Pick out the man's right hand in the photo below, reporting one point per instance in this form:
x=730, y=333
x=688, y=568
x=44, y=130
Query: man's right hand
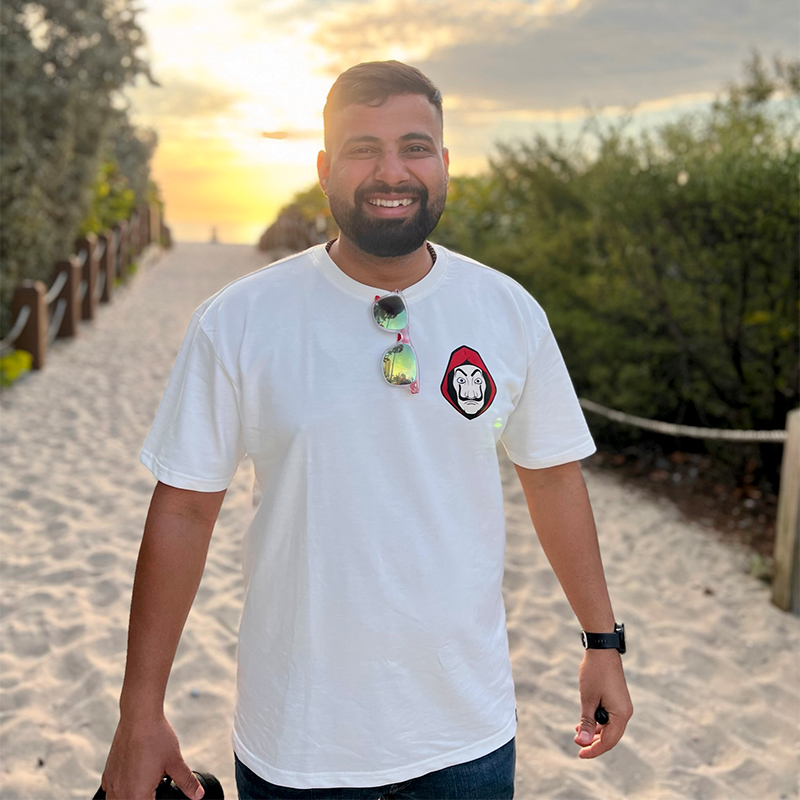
x=141, y=754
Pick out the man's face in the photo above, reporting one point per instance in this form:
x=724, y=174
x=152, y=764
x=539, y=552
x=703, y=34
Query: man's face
x=470, y=385
x=385, y=174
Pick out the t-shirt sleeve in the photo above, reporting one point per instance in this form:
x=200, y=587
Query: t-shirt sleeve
x=547, y=426
x=196, y=440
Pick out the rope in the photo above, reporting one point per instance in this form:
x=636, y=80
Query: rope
x=100, y=249
x=82, y=290
x=690, y=431
x=55, y=289
x=13, y=334
x=82, y=256
x=55, y=324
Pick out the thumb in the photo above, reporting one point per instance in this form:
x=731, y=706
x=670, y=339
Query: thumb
x=186, y=781
x=587, y=725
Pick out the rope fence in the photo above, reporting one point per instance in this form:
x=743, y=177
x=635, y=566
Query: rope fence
x=55, y=289
x=690, y=431
x=88, y=277
x=786, y=578
x=55, y=323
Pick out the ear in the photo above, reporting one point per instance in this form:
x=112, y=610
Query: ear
x=323, y=170
x=446, y=158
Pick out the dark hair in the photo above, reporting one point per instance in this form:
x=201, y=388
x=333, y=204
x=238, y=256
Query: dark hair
x=372, y=83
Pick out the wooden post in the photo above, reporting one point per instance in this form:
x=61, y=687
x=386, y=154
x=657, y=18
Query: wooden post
x=72, y=314
x=88, y=243
x=124, y=249
x=121, y=260
x=786, y=583
x=144, y=225
x=133, y=235
x=106, y=265
x=166, y=236
x=33, y=337
x=155, y=224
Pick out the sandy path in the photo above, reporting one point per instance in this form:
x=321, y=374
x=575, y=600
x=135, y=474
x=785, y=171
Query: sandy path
x=713, y=667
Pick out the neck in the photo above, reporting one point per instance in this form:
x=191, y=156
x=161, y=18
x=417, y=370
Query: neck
x=389, y=274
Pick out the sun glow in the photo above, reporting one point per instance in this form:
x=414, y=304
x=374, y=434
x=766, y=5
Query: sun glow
x=233, y=70
x=223, y=83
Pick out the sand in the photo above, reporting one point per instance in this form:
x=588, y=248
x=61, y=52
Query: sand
x=713, y=667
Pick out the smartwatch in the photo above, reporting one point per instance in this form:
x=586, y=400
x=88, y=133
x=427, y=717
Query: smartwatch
x=605, y=641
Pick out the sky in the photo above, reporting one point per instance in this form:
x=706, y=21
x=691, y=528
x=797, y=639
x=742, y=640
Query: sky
x=230, y=70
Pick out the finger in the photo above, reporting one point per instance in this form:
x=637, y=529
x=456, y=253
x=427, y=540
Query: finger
x=586, y=727
x=185, y=780
x=609, y=735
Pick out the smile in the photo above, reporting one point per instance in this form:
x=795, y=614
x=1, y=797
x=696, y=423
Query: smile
x=391, y=203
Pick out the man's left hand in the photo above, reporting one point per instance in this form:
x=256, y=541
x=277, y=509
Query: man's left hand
x=602, y=682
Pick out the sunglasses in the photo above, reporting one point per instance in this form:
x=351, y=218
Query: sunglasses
x=399, y=361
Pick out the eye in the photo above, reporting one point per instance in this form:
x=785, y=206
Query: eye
x=461, y=380
x=417, y=149
x=478, y=380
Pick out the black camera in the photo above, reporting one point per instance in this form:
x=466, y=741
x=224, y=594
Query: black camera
x=167, y=790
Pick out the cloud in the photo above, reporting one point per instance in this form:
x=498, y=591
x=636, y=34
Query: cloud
x=561, y=55
x=182, y=98
x=412, y=30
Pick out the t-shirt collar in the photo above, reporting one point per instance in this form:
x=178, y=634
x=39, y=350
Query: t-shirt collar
x=416, y=291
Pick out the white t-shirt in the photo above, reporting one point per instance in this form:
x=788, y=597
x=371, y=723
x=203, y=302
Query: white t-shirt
x=372, y=646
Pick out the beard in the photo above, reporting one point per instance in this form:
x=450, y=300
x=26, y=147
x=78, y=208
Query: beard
x=388, y=238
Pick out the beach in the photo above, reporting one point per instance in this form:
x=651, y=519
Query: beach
x=713, y=667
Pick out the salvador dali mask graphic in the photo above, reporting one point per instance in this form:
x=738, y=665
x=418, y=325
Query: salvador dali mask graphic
x=467, y=384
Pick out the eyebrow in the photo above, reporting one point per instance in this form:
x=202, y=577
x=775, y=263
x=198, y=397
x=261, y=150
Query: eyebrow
x=406, y=137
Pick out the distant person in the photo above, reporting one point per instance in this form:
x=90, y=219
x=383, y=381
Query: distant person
x=369, y=379
x=214, y=239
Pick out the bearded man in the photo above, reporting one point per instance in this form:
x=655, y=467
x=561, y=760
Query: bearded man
x=370, y=381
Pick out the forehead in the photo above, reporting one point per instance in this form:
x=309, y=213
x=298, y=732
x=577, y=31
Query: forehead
x=397, y=117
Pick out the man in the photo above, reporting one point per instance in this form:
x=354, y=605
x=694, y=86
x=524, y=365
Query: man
x=370, y=380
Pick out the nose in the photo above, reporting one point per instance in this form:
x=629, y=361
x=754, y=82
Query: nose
x=391, y=169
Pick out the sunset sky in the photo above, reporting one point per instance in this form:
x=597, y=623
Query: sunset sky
x=231, y=69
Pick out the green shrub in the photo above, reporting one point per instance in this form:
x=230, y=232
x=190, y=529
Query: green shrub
x=13, y=365
x=667, y=261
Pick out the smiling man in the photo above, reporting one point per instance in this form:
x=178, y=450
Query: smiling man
x=373, y=656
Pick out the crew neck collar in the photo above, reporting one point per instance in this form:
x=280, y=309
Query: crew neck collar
x=416, y=291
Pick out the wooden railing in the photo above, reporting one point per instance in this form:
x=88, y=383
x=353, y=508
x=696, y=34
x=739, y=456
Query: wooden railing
x=80, y=283
x=786, y=579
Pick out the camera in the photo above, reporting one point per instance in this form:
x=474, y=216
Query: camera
x=167, y=790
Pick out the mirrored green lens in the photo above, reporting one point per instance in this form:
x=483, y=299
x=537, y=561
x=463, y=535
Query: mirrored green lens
x=390, y=313
x=400, y=365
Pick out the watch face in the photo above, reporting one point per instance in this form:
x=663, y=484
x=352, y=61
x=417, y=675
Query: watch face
x=621, y=632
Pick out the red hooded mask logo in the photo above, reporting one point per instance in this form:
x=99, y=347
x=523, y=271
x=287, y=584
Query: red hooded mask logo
x=467, y=384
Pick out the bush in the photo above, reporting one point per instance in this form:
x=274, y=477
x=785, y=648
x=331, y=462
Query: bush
x=667, y=262
x=13, y=366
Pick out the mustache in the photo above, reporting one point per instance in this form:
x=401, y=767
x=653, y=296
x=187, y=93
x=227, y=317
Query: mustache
x=418, y=192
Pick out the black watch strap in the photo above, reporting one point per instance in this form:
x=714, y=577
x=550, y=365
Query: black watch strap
x=605, y=641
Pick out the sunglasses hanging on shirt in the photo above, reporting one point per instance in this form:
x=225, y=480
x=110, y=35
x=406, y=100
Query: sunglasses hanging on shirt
x=399, y=362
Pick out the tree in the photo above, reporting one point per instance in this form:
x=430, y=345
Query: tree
x=63, y=63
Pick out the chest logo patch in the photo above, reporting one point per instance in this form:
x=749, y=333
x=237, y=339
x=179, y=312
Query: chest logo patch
x=467, y=384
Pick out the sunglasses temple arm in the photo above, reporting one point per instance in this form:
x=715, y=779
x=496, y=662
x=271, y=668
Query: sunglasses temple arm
x=406, y=339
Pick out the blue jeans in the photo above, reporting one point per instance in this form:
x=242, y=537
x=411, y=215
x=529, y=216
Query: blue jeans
x=488, y=778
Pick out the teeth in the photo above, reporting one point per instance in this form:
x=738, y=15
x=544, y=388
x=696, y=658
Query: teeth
x=392, y=203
